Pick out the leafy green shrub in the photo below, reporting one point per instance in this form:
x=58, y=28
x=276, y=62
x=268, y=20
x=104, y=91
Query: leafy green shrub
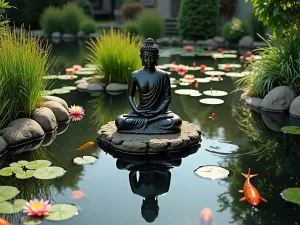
x=89, y=26
x=257, y=27
x=198, y=19
x=116, y=54
x=131, y=9
x=51, y=20
x=280, y=65
x=131, y=27
x=87, y=7
x=234, y=30
x=23, y=63
x=151, y=24
x=72, y=15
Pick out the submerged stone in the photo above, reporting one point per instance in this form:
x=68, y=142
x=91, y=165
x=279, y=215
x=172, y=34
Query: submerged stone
x=295, y=108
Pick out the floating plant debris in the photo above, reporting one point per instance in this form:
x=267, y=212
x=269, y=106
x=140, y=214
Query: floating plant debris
x=59, y=91
x=234, y=74
x=47, y=173
x=215, y=93
x=291, y=130
x=85, y=160
x=291, y=195
x=211, y=101
x=37, y=164
x=212, y=172
x=8, y=208
x=60, y=212
x=8, y=192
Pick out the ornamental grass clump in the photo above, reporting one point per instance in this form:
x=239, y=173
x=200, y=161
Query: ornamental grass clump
x=23, y=63
x=280, y=65
x=116, y=54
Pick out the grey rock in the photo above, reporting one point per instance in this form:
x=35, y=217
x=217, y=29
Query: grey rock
x=201, y=42
x=175, y=41
x=163, y=41
x=3, y=145
x=244, y=96
x=26, y=147
x=212, y=43
x=49, y=138
x=94, y=35
x=188, y=42
x=114, y=87
x=95, y=87
x=21, y=130
x=81, y=35
x=294, y=121
x=275, y=121
x=68, y=37
x=45, y=117
x=295, y=108
x=278, y=99
x=246, y=42
x=82, y=85
x=219, y=40
x=253, y=101
x=258, y=44
x=56, y=99
x=61, y=114
x=80, y=81
x=56, y=35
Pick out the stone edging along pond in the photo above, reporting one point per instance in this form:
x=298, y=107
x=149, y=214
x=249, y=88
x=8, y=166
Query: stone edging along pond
x=41, y=127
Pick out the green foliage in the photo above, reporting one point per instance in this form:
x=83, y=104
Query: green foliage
x=88, y=26
x=72, y=15
x=234, y=30
x=116, y=54
x=257, y=27
x=51, y=20
x=131, y=27
x=198, y=19
x=87, y=7
x=131, y=9
x=3, y=22
x=151, y=24
x=280, y=65
x=23, y=63
x=282, y=16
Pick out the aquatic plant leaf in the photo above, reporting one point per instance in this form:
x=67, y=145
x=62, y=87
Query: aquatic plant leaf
x=25, y=174
x=60, y=212
x=291, y=195
x=291, y=129
x=8, y=208
x=220, y=147
x=212, y=172
x=60, y=91
x=8, y=192
x=47, y=173
x=85, y=160
x=211, y=101
x=215, y=93
x=20, y=163
x=47, y=92
x=38, y=164
x=87, y=72
x=30, y=220
x=71, y=88
x=67, y=77
x=8, y=171
x=50, y=77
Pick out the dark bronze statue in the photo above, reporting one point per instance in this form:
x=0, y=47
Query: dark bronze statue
x=151, y=115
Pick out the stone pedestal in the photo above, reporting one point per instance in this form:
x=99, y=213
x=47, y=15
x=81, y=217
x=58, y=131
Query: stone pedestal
x=151, y=144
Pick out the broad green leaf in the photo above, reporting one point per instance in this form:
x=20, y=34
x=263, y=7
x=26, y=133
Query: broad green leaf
x=30, y=220
x=291, y=129
x=212, y=172
x=275, y=11
x=291, y=195
x=19, y=163
x=48, y=173
x=8, y=171
x=85, y=160
x=8, y=208
x=25, y=174
x=38, y=164
x=8, y=192
x=61, y=212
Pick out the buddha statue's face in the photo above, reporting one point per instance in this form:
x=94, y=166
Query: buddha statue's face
x=149, y=60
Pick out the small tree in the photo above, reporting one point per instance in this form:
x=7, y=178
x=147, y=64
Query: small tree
x=198, y=19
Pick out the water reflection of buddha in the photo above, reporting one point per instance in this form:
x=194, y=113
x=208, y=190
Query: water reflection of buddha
x=154, y=181
x=151, y=115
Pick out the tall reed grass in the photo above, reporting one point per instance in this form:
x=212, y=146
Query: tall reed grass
x=116, y=54
x=3, y=21
x=24, y=60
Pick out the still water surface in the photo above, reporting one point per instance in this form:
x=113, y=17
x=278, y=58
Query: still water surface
x=183, y=195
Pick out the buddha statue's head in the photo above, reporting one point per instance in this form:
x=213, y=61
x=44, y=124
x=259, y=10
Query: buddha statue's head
x=150, y=209
x=149, y=54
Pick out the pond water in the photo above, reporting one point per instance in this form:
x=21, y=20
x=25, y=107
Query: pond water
x=238, y=139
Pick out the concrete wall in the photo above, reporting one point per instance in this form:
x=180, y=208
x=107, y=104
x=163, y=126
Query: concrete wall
x=243, y=11
x=164, y=8
x=107, y=5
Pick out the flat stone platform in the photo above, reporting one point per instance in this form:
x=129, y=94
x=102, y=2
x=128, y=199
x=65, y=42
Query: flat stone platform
x=142, y=143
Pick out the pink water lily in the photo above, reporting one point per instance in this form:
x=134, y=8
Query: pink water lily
x=181, y=69
x=188, y=48
x=76, y=112
x=37, y=208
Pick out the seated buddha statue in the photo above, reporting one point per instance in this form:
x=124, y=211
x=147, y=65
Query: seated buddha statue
x=151, y=115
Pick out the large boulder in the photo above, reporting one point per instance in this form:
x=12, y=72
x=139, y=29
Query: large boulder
x=56, y=99
x=21, y=131
x=246, y=42
x=278, y=99
x=3, y=145
x=253, y=101
x=114, y=87
x=61, y=114
x=45, y=117
x=295, y=108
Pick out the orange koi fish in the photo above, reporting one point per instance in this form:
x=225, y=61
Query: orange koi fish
x=86, y=145
x=206, y=217
x=4, y=222
x=196, y=84
x=251, y=193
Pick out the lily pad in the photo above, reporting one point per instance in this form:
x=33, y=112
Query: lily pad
x=172, y=79
x=67, y=77
x=37, y=164
x=230, y=56
x=85, y=160
x=208, y=68
x=88, y=69
x=291, y=195
x=50, y=77
x=217, y=56
x=20, y=163
x=163, y=67
x=184, y=84
x=234, y=74
x=8, y=192
x=203, y=80
x=8, y=208
x=221, y=147
x=246, y=73
x=173, y=85
x=211, y=101
x=90, y=66
x=60, y=91
x=48, y=173
x=291, y=130
x=8, y=171
x=186, y=91
x=215, y=79
x=195, y=94
x=30, y=220
x=60, y=212
x=87, y=73
x=214, y=73
x=215, y=93
x=212, y=172
x=71, y=88
x=233, y=65
x=25, y=174
x=47, y=92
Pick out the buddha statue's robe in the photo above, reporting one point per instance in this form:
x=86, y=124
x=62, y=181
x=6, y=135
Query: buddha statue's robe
x=154, y=91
